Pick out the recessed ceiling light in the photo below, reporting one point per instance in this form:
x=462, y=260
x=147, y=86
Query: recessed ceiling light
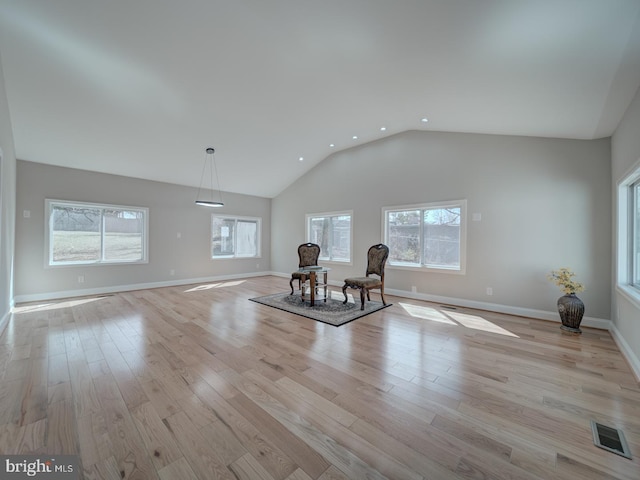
x=355, y=137
x=332, y=145
x=424, y=119
x=300, y=159
x=382, y=129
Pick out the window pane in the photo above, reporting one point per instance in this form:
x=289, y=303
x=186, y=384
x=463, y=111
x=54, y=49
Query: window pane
x=93, y=233
x=403, y=236
x=341, y=237
x=247, y=237
x=123, y=235
x=75, y=234
x=333, y=234
x=319, y=233
x=233, y=237
x=429, y=236
x=223, y=236
x=442, y=237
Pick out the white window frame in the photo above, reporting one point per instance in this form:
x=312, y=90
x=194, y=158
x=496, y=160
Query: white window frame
x=236, y=218
x=628, y=260
x=50, y=204
x=1, y=196
x=310, y=216
x=462, y=204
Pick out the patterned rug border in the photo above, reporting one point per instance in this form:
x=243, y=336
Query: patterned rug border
x=318, y=312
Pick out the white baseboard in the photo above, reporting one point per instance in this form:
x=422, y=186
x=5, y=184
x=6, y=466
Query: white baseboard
x=627, y=352
x=37, y=297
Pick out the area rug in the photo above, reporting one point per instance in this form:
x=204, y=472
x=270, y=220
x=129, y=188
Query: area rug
x=333, y=311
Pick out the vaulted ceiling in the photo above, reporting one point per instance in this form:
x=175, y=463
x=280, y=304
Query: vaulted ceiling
x=141, y=87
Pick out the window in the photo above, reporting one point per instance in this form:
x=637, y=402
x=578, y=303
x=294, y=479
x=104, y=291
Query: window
x=88, y=233
x=635, y=235
x=332, y=231
x=235, y=237
x=430, y=236
x=628, y=226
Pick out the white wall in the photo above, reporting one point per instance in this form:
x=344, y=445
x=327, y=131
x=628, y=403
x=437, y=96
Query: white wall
x=171, y=210
x=545, y=203
x=7, y=205
x=625, y=153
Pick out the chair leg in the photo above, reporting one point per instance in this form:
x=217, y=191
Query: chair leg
x=362, y=299
x=382, y=296
x=344, y=292
x=291, y=285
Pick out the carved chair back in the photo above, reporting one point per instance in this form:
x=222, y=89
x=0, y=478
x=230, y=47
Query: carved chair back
x=376, y=259
x=308, y=254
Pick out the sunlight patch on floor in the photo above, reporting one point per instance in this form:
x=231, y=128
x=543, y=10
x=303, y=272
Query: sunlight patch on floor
x=478, y=323
x=42, y=307
x=215, y=285
x=474, y=322
x=427, y=313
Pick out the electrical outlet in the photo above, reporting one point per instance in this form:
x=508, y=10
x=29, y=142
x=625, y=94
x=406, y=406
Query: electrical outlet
x=414, y=289
x=172, y=272
x=80, y=278
x=489, y=291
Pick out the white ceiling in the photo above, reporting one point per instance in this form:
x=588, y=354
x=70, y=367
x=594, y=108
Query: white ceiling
x=142, y=87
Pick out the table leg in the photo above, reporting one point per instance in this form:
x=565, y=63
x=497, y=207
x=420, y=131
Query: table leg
x=312, y=286
x=325, y=287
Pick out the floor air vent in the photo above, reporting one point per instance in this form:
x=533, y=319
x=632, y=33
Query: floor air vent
x=610, y=439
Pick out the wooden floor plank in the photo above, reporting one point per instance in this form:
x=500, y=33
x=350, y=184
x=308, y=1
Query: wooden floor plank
x=178, y=469
x=159, y=443
x=299, y=452
x=246, y=468
x=204, y=462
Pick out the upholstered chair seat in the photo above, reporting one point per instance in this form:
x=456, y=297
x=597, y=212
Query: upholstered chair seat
x=363, y=282
x=376, y=259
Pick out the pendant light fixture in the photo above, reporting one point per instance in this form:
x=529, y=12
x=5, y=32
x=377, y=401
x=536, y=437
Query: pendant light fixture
x=211, y=162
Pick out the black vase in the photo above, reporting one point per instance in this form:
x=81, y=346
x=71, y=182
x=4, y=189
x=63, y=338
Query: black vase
x=571, y=310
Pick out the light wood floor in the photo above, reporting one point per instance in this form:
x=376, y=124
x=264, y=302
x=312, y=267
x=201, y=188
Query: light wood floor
x=198, y=382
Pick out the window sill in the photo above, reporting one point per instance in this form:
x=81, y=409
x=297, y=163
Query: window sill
x=335, y=262
x=419, y=268
x=95, y=264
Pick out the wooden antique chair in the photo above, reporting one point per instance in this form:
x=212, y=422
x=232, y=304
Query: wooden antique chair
x=376, y=259
x=308, y=254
